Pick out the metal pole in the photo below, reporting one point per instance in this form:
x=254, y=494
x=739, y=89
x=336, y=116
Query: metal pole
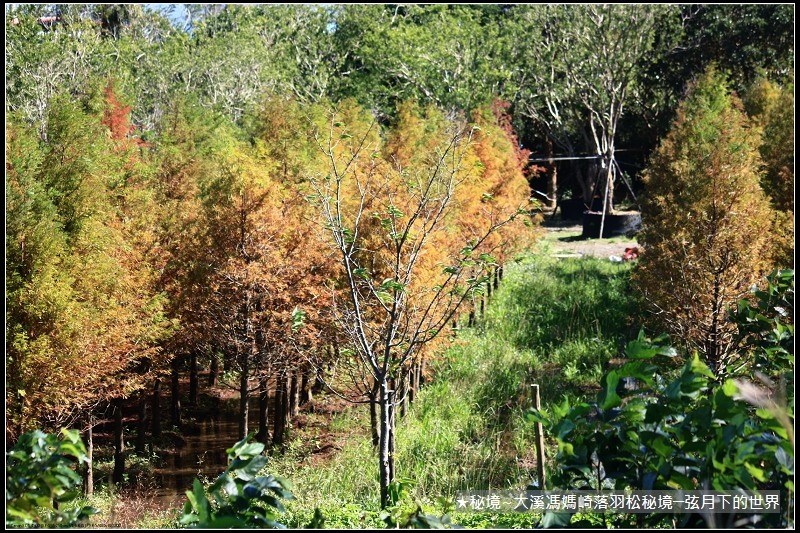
x=539, y=434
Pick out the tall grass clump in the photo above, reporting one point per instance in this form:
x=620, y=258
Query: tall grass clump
x=567, y=316
x=343, y=485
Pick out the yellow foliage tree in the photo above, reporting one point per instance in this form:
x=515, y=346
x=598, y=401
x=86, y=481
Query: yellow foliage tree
x=82, y=307
x=772, y=108
x=705, y=222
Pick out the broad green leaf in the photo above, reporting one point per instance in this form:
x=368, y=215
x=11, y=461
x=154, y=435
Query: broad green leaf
x=608, y=396
x=555, y=519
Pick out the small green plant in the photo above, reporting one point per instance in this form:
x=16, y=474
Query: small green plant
x=401, y=514
x=40, y=477
x=239, y=498
x=765, y=327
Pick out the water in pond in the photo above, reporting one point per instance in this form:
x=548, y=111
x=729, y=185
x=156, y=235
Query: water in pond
x=201, y=456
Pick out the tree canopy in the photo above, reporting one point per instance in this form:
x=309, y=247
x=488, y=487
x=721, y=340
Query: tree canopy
x=704, y=216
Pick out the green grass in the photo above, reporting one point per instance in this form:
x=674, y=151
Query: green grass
x=565, y=319
x=345, y=489
x=553, y=322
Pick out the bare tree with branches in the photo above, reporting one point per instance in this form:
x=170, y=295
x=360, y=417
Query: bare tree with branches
x=408, y=265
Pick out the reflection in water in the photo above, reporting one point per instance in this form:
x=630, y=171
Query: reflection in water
x=202, y=456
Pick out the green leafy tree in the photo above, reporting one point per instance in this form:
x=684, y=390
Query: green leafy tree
x=703, y=218
x=44, y=60
x=452, y=56
x=648, y=430
x=280, y=49
x=748, y=40
x=307, y=56
x=579, y=71
x=41, y=481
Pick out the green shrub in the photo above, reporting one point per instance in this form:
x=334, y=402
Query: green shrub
x=765, y=328
x=239, y=498
x=40, y=477
x=691, y=433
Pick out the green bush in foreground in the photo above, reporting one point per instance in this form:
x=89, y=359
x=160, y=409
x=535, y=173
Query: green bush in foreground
x=691, y=433
x=40, y=477
x=239, y=498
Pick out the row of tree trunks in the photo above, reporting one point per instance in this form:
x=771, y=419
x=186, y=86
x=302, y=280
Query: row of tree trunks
x=285, y=408
x=289, y=391
x=478, y=310
x=292, y=388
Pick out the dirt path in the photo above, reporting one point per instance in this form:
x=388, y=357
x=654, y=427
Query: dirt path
x=565, y=241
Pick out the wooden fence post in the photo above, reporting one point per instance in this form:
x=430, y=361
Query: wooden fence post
x=539, y=434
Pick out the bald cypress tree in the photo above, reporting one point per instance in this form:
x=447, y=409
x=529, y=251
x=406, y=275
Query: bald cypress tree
x=772, y=107
x=706, y=222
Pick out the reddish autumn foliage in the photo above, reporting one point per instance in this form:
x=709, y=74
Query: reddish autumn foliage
x=500, y=112
x=116, y=115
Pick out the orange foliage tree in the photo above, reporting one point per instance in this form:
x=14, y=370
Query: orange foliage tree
x=258, y=264
x=504, y=182
x=412, y=223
